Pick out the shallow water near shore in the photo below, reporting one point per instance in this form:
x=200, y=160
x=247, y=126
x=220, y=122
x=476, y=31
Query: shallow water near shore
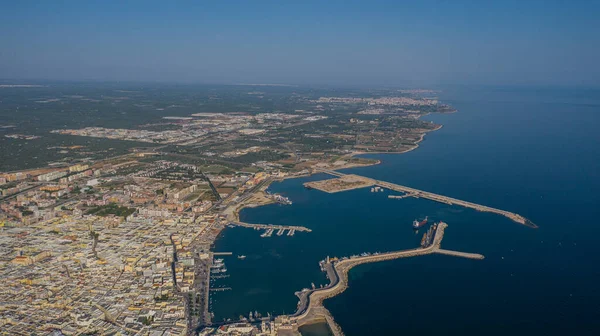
x=535, y=153
x=316, y=329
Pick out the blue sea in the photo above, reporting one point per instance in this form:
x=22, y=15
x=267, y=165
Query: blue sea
x=535, y=152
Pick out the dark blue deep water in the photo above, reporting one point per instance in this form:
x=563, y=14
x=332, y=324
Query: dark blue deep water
x=534, y=152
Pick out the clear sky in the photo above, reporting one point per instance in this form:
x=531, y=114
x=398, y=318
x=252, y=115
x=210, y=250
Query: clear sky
x=304, y=42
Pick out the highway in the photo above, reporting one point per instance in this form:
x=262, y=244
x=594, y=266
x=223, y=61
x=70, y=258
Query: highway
x=411, y=192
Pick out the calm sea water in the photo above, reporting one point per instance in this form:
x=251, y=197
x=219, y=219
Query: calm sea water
x=534, y=152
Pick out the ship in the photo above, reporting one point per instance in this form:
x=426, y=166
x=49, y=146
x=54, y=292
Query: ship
x=242, y=257
x=281, y=199
x=417, y=224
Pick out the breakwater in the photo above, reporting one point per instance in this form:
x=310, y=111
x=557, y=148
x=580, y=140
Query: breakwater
x=412, y=192
x=310, y=305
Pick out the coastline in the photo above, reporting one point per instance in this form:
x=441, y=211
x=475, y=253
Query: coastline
x=247, y=204
x=310, y=306
x=325, y=316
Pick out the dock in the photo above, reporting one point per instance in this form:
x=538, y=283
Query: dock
x=411, y=192
x=222, y=289
x=271, y=226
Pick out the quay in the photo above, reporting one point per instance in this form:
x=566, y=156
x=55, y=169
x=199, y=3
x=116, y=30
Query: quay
x=271, y=226
x=310, y=305
x=411, y=192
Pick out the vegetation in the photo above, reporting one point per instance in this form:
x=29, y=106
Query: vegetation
x=111, y=209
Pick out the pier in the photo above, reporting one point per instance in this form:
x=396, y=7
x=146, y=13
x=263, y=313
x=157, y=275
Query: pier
x=411, y=192
x=460, y=254
x=310, y=305
x=221, y=289
x=222, y=253
x=271, y=226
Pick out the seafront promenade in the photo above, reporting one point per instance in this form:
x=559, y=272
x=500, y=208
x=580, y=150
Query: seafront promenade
x=310, y=306
x=411, y=192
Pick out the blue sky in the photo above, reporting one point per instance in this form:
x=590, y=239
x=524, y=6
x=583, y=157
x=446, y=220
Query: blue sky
x=373, y=42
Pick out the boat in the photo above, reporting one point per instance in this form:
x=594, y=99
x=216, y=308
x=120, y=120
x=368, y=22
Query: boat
x=281, y=199
x=417, y=224
x=242, y=257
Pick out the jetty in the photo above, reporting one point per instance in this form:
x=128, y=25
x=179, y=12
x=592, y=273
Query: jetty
x=220, y=289
x=412, y=192
x=271, y=226
x=310, y=305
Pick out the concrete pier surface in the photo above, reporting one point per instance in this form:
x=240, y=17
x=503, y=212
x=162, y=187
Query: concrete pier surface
x=411, y=192
x=310, y=306
x=271, y=226
x=222, y=253
x=460, y=254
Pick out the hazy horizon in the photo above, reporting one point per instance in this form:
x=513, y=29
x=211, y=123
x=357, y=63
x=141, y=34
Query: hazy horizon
x=381, y=43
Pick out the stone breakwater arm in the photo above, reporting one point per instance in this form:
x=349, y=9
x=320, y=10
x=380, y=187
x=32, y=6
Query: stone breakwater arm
x=311, y=307
x=460, y=254
x=411, y=192
x=449, y=200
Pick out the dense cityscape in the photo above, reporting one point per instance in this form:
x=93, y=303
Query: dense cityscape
x=122, y=243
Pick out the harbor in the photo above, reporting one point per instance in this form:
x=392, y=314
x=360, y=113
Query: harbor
x=403, y=292
x=310, y=305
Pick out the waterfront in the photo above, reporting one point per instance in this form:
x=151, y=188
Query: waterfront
x=529, y=153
